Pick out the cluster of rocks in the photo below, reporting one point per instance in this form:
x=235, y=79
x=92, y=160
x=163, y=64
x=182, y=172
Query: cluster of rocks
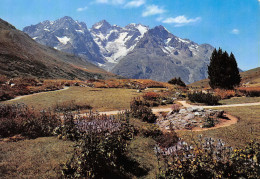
x=187, y=118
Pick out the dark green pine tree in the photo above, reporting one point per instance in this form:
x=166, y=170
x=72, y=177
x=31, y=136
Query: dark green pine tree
x=235, y=77
x=223, y=71
x=214, y=68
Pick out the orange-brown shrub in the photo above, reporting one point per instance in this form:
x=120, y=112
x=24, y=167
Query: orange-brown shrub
x=250, y=91
x=225, y=94
x=151, y=96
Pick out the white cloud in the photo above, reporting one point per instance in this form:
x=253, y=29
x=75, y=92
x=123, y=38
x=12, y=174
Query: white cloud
x=236, y=31
x=82, y=8
x=112, y=2
x=180, y=20
x=135, y=3
x=153, y=10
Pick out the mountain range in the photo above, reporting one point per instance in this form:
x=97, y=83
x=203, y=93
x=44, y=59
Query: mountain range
x=133, y=51
x=20, y=56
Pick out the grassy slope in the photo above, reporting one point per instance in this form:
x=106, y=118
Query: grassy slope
x=240, y=100
x=252, y=76
x=102, y=99
x=39, y=158
x=22, y=56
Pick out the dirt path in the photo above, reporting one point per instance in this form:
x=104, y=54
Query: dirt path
x=185, y=104
x=34, y=94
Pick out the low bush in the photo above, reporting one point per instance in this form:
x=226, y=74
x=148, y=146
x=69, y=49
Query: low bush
x=19, y=119
x=71, y=106
x=140, y=110
x=225, y=94
x=177, y=81
x=212, y=159
x=151, y=96
x=208, y=122
x=168, y=139
x=207, y=98
x=249, y=91
x=102, y=153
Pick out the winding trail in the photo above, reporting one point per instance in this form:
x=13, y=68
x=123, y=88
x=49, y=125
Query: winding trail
x=34, y=94
x=185, y=104
x=223, y=122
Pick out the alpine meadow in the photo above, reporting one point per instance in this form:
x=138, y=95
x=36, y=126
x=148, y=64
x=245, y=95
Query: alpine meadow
x=111, y=89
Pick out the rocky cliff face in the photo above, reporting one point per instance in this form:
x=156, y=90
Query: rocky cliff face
x=160, y=55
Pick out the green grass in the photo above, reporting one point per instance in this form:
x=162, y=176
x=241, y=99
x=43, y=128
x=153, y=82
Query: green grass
x=141, y=149
x=38, y=158
x=238, y=100
x=102, y=99
x=236, y=135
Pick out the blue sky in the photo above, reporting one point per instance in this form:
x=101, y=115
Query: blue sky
x=233, y=25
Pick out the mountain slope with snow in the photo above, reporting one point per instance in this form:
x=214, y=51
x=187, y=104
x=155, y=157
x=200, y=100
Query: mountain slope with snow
x=66, y=35
x=160, y=56
x=133, y=51
x=116, y=42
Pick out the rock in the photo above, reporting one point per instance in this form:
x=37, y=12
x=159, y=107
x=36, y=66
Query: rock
x=174, y=99
x=197, y=114
x=200, y=109
x=194, y=108
x=182, y=111
x=189, y=109
x=189, y=116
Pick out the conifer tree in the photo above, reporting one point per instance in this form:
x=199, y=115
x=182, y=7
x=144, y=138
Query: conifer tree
x=223, y=71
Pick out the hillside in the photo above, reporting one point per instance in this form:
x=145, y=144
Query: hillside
x=249, y=78
x=22, y=56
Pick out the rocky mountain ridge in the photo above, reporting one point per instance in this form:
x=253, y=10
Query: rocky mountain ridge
x=133, y=51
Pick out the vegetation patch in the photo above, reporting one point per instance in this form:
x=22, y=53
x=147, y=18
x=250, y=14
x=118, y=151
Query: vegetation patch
x=19, y=119
x=206, y=98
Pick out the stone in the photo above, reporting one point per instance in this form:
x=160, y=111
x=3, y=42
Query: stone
x=200, y=109
x=189, y=116
x=182, y=111
x=197, y=114
x=194, y=108
x=189, y=109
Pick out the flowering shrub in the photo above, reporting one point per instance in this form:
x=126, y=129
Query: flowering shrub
x=211, y=159
x=102, y=153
